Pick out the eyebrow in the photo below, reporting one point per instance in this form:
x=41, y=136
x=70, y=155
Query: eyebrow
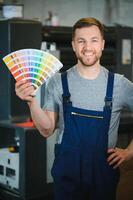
x=80, y=38
x=95, y=37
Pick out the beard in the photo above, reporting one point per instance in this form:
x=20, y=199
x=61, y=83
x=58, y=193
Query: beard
x=88, y=62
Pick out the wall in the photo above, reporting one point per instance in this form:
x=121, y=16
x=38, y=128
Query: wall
x=108, y=11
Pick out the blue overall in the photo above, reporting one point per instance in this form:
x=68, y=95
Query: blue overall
x=80, y=170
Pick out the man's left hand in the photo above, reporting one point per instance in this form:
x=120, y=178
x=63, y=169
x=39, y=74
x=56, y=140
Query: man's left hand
x=118, y=156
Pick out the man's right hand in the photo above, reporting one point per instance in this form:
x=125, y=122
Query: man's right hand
x=24, y=90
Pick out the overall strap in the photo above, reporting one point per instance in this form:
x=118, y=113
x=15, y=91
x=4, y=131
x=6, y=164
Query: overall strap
x=66, y=94
x=109, y=91
x=108, y=103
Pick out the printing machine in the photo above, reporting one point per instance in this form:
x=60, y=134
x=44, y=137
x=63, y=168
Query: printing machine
x=24, y=171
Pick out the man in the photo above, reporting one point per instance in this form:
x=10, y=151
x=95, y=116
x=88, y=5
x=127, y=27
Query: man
x=86, y=103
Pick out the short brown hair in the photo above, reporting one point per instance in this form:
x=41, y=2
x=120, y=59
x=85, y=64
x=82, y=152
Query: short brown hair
x=87, y=22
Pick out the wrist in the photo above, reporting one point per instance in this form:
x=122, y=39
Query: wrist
x=130, y=152
x=31, y=102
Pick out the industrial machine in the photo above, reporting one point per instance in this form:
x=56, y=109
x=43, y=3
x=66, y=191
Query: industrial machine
x=23, y=165
x=15, y=34
x=117, y=55
x=23, y=151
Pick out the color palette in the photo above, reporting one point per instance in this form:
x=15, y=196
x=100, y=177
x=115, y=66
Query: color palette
x=33, y=65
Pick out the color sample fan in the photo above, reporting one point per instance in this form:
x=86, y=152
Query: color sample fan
x=33, y=65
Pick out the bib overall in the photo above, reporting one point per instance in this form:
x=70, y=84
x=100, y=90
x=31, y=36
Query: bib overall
x=80, y=170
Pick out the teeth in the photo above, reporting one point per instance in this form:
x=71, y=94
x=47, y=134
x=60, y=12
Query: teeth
x=88, y=54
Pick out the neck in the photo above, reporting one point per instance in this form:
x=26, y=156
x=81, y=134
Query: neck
x=90, y=72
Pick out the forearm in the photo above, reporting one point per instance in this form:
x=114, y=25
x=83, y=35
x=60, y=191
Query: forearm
x=44, y=121
x=40, y=119
x=130, y=149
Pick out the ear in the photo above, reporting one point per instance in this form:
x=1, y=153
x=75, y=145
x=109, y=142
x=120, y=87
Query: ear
x=73, y=46
x=103, y=45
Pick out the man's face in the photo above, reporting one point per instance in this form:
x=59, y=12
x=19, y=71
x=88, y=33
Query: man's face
x=88, y=45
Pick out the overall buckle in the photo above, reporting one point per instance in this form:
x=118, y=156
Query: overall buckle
x=108, y=102
x=66, y=99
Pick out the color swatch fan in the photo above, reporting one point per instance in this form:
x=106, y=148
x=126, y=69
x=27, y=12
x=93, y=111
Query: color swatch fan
x=33, y=65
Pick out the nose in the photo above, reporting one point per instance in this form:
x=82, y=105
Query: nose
x=88, y=46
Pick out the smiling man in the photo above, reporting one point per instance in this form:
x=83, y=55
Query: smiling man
x=84, y=104
x=88, y=45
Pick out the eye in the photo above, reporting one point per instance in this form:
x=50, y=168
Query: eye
x=94, y=40
x=80, y=41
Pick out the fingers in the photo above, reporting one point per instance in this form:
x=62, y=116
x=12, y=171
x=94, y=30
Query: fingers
x=116, y=161
x=24, y=90
x=21, y=85
x=112, y=153
x=111, y=150
x=116, y=157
